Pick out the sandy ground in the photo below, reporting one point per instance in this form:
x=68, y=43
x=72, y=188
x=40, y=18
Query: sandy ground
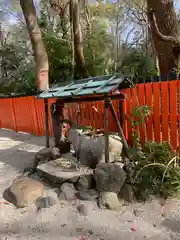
x=136, y=221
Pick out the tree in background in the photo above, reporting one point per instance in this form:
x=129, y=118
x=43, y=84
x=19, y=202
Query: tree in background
x=40, y=55
x=115, y=38
x=73, y=8
x=165, y=34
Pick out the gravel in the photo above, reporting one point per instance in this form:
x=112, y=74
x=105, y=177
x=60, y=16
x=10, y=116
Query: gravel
x=62, y=220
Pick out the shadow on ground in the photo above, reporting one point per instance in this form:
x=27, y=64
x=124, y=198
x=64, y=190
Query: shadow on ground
x=18, y=150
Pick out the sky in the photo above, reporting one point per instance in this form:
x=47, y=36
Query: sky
x=12, y=19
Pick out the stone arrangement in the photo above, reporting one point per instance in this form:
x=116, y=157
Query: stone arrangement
x=76, y=178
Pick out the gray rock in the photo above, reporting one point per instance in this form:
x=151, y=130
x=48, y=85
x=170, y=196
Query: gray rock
x=82, y=209
x=45, y=202
x=48, y=154
x=55, y=153
x=108, y=200
x=115, y=149
x=84, y=182
x=91, y=151
x=126, y=193
x=87, y=194
x=64, y=147
x=68, y=192
x=109, y=177
x=62, y=196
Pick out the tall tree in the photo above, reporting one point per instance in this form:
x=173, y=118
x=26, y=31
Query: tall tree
x=165, y=34
x=40, y=55
x=77, y=38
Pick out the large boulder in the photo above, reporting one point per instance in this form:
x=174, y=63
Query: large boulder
x=91, y=150
x=115, y=149
x=109, y=177
x=24, y=191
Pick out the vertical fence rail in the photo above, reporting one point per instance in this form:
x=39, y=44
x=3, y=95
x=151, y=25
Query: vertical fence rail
x=173, y=113
x=149, y=102
x=27, y=113
x=156, y=112
x=165, y=110
x=141, y=97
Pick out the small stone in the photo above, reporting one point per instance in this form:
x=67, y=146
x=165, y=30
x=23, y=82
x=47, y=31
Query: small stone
x=87, y=194
x=47, y=154
x=68, y=192
x=61, y=196
x=127, y=193
x=82, y=209
x=45, y=202
x=109, y=200
x=63, y=225
x=84, y=182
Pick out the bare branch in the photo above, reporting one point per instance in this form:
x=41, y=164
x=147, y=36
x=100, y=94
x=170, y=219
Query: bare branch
x=161, y=36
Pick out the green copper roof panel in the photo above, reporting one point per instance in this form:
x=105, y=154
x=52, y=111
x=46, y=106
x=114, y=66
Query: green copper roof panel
x=85, y=87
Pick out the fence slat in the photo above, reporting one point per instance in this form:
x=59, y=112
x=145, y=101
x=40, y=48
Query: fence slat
x=141, y=98
x=156, y=110
x=149, y=121
x=173, y=113
x=27, y=113
x=39, y=106
x=24, y=114
x=125, y=118
x=129, y=115
x=6, y=114
x=134, y=102
x=165, y=110
x=178, y=111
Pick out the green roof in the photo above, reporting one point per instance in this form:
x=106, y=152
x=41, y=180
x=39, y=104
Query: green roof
x=86, y=87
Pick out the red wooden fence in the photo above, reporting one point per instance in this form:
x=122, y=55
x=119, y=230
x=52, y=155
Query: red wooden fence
x=27, y=113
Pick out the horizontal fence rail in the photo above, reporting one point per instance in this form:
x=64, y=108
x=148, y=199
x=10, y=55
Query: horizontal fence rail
x=26, y=114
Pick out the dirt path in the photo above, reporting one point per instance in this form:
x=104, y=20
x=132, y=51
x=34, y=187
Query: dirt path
x=137, y=221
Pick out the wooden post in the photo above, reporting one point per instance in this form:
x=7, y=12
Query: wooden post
x=121, y=113
x=46, y=122
x=57, y=115
x=106, y=132
x=126, y=148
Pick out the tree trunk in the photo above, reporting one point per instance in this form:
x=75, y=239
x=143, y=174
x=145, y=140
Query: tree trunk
x=165, y=34
x=40, y=55
x=80, y=68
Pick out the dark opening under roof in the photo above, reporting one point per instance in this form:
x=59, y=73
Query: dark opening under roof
x=87, y=87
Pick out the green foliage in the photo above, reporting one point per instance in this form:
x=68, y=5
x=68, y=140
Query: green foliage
x=17, y=73
x=138, y=62
x=140, y=114
x=153, y=171
x=60, y=59
x=97, y=49
x=17, y=64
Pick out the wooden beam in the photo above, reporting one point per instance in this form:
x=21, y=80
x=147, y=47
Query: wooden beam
x=90, y=99
x=46, y=122
x=126, y=147
x=106, y=130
